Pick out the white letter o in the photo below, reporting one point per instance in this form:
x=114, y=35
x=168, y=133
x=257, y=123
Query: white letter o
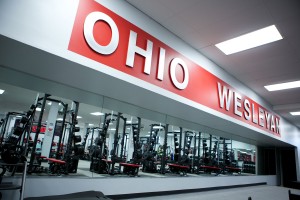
x=174, y=63
x=89, y=23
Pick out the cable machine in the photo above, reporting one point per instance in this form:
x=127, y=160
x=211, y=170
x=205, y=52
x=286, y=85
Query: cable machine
x=13, y=150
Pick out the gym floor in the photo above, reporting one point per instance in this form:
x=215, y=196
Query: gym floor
x=255, y=192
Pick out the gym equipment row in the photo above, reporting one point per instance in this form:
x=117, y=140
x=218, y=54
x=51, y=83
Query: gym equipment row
x=163, y=151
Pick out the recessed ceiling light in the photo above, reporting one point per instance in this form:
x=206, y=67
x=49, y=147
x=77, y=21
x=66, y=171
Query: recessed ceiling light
x=283, y=86
x=49, y=103
x=91, y=124
x=158, y=127
x=38, y=109
x=79, y=117
x=1, y=91
x=97, y=113
x=59, y=119
x=295, y=113
x=250, y=40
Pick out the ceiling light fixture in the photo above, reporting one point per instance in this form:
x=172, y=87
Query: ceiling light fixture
x=283, y=86
x=97, y=113
x=158, y=127
x=79, y=117
x=2, y=91
x=250, y=40
x=38, y=109
x=91, y=124
x=59, y=119
x=295, y=113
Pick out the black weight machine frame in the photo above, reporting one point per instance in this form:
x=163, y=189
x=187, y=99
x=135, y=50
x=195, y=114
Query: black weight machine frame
x=102, y=165
x=4, y=122
x=131, y=167
x=149, y=161
x=114, y=157
x=67, y=156
x=182, y=164
x=12, y=150
x=206, y=164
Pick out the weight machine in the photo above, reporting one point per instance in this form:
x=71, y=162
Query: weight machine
x=14, y=149
x=150, y=160
x=59, y=162
x=182, y=162
x=99, y=162
x=132, y=167
x=209, y=162
x=114, y=153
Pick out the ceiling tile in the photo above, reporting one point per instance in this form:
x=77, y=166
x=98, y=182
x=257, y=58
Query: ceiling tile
x=283, y=9
x=154, y=8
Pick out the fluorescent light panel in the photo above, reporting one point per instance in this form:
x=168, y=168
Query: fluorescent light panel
x=250, y=40
x=295, y=113
x=2, y=91
x=283, y=86
x=157, y=127
x=97, y=113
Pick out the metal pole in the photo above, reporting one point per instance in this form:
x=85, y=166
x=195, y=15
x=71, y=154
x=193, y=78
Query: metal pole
x=194, y=152
x=180, y=146
x=68, y=153
x=123, y=139
x=163, y=159
x=4, y=128
x=210, y=144
x=115, y=145
x=61, y=131
x=199, y=149
x=38, y=129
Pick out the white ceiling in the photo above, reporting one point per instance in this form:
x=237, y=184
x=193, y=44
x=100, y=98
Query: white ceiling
x=204, y=23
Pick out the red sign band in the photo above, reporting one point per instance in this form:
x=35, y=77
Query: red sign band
x=103, y=36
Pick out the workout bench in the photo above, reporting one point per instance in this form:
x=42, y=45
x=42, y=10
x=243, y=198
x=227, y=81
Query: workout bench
x=130, y=168
x=175, y=168
x=232, y=169
x=56, y=166
x=210, y=169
